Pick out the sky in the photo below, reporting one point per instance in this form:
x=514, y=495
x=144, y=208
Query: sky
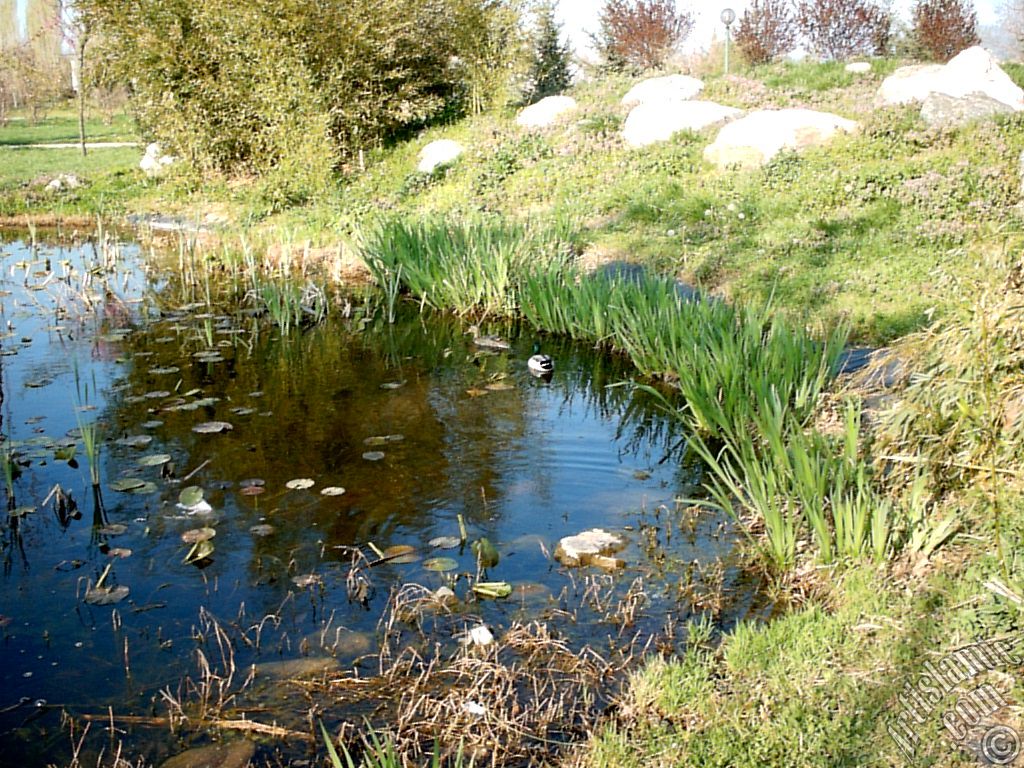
x=580, y=16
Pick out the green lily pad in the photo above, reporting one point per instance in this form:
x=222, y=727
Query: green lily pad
x=262, y=529
x=212, y=427
x=146, y=488
x=157, y=394
x=445, y=542
x=190, y=496
x=153, y=460
x=492, y=589
x=154, y=424
x=440, y=564
x=376, y=440
x=135, y=441
x=126, y=484
x=164, y=370
x=201, y=550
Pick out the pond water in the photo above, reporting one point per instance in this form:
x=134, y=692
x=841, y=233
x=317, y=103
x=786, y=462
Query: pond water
x=417, y=426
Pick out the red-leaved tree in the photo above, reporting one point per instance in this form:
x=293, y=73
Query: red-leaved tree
x=767, y=30
x=943, y=28
x=640, y=34
x=839, y=29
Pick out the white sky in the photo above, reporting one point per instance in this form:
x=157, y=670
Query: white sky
x=580, y=16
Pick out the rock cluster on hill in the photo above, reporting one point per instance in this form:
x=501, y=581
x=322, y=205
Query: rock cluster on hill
x=755, y=139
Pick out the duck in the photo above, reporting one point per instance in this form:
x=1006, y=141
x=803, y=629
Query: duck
x=540, y=364
x=487, y=342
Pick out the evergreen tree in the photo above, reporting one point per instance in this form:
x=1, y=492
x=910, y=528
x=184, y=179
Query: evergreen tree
x=549, y=73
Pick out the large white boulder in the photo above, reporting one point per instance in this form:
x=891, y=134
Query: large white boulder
x=154, y=162
x=439, y=153
x=659, y=89
x=545, y=112
x=651, y=122
x=755, y=139
x=974, y=70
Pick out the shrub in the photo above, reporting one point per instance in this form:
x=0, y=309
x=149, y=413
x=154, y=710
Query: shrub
x=839, y=29
x=943, y=28
x=549, y=72
x=767, y=30
x=290, y=90
x=640, y=34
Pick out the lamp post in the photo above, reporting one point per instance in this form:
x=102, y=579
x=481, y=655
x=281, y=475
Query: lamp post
x=728, y=17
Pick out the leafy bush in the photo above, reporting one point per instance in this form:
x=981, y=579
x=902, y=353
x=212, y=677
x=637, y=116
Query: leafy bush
x=839, y=29
x=291, y=90
x=640, y=34
x=767, y=30
x=943, y=28
x=549, y=73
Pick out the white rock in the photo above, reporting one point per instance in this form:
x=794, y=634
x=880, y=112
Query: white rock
x=974, y=70
x=858, y=67
x=658, y=89
x=545, y=112
x=755, y=139
x=64, y=181
x=579, y=549
x=651, y=122
x=439, y=153
x=154, y=162
x=480, y=635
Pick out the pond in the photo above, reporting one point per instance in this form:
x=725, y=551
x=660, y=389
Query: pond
x=314, y=454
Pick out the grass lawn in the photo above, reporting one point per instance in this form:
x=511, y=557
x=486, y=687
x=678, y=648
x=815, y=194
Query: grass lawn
x=63, y=127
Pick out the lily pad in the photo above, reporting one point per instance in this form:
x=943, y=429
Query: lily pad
x=201, y=550
x=307, y=580
x=252, y=481
x=263, y=529
x=198, y=534
x=113, y=529
x=440, y=564
x=126, y=484
x=121, y=552
x=392, y=385
x=157, y=394
x=154, y=424
x=400, y=554
x=144, y=489
x=212, y=427
x=164, y=370
x=106, y=596
x=486, y=553
x=251, y=490
x=445, y=542
x=373, y=455
x=135, y=441
x=153, y=460
x=332, y=490
x=299, y=484
x=241, y=410
x=376, y=440
x=190, y=496
x=492, y=589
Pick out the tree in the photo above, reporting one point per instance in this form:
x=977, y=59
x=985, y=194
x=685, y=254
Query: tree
x=8, y=24
x=839, y=29
x=640, y=34
x=943, y=28
x=549, y=72
x=766, y=31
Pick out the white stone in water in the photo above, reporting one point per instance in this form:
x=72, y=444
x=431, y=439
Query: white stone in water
x=581, y=548
x=661, y=89
x=480, y=635
x=437, y=154
x=545, y=112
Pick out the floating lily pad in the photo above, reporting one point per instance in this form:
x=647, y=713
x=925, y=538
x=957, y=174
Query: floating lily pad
x=66, y=453
x=154, y=424
x=373, y=455
x=164, y=370
x=201, y=550
x=121, y=552
x=395, y=438
x=299, y=484
x=212, y=427
x=153, y=460
x=157, y=394
x=445, y=542
x=440, y=564
x=307, y=580
x=376, y=440
x=263, y=529
x=251, y=490
x=106, y=596
x=113, y=529
x=144, y=489
x=135, y=441
x=492, y=589
x=243, y=411
x=190, y=496
x=400, y=554
x=257, y=481
x=332, y=490
x=198, y=534
x=126, y=484
x=392, y=384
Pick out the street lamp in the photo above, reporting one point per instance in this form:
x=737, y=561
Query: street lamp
x=728, y=17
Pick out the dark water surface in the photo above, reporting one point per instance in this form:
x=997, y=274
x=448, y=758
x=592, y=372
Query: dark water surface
x=89, y=336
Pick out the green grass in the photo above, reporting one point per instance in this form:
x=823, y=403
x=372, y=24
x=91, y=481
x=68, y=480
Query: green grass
x=61, y=128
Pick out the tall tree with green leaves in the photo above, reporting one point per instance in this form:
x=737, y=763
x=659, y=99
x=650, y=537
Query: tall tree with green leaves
x=9, y=36
x=549, y=71
x=43, y=27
